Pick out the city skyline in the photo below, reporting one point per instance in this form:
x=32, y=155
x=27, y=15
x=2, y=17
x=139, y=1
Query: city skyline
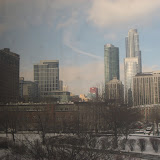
x=52, y=30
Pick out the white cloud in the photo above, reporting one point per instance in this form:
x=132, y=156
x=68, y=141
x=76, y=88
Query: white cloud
x=116, y=13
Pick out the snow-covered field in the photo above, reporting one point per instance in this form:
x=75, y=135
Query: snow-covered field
x=32, y=136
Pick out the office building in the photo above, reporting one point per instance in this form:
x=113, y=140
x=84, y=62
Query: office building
x=9, y=76
x=93, y=93
x=111, y=62
x=28, y=91
x=132, y=63
x=115, y=90
x=146, y=88
x=60, y=85
x=46, y=75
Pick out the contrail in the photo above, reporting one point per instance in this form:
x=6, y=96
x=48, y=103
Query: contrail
x=67, y=42
x=82, y=52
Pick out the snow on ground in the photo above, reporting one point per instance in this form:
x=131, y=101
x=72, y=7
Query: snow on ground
x=149, y=149
x=33, y=136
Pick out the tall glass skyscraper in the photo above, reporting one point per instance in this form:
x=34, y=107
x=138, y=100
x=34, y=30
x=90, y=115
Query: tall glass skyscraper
x=111, y=62
x=46, y=74
x=132, y=62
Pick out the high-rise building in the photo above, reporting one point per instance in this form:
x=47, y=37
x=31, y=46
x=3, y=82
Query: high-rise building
x=93, y=93
x=146, y=88
x=132, y=63
x=115, y=90
x=9, y=76
x=60, y=85
x=46, y=74
x=28, y=90
x=111, y=62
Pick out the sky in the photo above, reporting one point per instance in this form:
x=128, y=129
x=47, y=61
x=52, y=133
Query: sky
x=75, y=32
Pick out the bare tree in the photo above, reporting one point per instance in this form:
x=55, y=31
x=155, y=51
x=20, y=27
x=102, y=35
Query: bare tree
x=9, y=120
x=129, y=116
x=114, y=118
x=155, y=118
x=42, y=121
x=4, y=120
x=13, y=123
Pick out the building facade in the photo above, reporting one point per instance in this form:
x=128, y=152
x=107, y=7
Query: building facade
x=146, y=88
x=132, y=63
x=111, y=62
x=61, y=85
x=9, y=81
x=28, y=91
x=46, y=74
x=93, y=93
x=115, y=90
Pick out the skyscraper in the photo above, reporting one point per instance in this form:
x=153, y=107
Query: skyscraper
x=9, y=76
x=132, y=62
x=46, y=74
x=111, y=62
x=114, y=90
x=146, y=88
x=93, y=93
x=60, y=85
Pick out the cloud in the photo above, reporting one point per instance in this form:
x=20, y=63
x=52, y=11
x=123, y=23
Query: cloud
x=116, y=13
x=70, y=43
x=82, y=52
x=22, y=13
x=147, y=68
x=19, y=14
x=68, y=22
x=81, y=78
x=111, y=36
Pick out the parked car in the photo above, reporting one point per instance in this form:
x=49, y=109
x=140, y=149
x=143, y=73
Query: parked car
x=148, y=130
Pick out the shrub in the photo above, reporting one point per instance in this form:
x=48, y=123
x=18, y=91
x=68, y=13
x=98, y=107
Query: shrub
x=142, y=144
x=131, y=144
x=155, y=144
x=3, y=144
x=17, y=148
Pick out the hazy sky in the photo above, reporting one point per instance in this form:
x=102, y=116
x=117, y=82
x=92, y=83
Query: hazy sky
x=75, y=32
